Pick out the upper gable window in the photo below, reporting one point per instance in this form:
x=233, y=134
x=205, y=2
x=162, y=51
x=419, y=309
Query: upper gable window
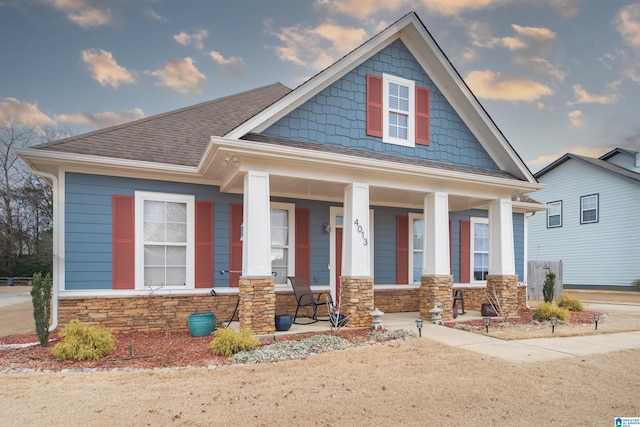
x=589, y=209
x=397, y=110
x=398, y=105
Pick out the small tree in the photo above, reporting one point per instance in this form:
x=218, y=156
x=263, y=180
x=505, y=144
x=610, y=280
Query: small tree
x=548, y=287
x=41, y=298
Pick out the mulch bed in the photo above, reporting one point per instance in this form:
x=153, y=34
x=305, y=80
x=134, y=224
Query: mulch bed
x=525, y=317
x=148, y=350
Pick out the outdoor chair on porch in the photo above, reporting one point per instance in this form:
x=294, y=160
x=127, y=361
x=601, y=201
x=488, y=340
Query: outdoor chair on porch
x=307, y=300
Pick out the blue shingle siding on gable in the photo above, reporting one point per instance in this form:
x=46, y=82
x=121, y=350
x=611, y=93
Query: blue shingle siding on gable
x=337, y=116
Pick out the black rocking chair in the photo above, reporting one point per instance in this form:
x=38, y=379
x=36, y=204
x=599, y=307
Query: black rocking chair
x=306, y=298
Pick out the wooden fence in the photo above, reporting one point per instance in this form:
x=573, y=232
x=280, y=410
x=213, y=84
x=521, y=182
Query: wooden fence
x=536, y=275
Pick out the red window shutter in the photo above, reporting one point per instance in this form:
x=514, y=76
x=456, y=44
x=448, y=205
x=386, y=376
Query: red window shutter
x=402, y=250
x=123, y=208
x=465, y=251
x=235, y=250
x=204, y=245
x=422, y=115
x=303, y=247
x=374, y=105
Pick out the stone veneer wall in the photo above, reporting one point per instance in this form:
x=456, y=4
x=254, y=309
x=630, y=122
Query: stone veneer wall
x=436, y=290
x=160, y=312
x=506, y=289
x=357, y=300
x=257, y=304
x=144, y=313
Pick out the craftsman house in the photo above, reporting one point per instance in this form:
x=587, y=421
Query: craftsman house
x=593, y=221
x=381, y=179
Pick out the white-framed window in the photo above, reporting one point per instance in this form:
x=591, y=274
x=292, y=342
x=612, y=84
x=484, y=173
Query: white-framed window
x=416, y=246
x=283, y=228
x=554, y=214
x=165, y=227
x=479, y=249
x=398, y=110
x=589, y=209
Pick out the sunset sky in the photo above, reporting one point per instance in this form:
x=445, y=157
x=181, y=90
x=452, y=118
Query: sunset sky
x=556, y=76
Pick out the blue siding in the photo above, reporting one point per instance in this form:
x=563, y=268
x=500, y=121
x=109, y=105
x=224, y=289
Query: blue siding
x=88, y=236
x=337, y=116
x=88, y=225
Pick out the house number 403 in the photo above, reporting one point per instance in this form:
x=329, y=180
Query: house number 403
x=360, y=231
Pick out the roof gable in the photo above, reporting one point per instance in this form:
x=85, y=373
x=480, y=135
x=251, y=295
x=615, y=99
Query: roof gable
x=337, y=116
x=178, y=137
x=596, y=163
x=414, y=35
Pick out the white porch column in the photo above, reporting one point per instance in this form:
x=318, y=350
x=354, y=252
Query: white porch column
x=501, y=253
x=435, y=255
x=355, y=233
x=256, y=242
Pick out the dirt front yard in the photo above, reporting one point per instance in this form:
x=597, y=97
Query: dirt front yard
x=416, y=382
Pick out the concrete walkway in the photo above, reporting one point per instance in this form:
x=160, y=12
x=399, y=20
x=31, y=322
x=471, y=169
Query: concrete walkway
x=529, y=350
x=10, y=295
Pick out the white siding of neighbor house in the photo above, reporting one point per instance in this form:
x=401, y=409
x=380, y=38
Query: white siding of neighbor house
x=605, y=253
x=624, y=160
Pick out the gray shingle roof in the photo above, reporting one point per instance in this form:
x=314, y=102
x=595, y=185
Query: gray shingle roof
x=602, y=164
x=378, y=156
x=177, y=137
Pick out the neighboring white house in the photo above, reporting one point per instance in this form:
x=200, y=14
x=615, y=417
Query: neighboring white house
x=593, y=220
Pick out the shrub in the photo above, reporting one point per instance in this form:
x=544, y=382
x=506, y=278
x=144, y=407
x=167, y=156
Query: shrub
x=41, y=300
x=227, y=342
x=569, y=302
x=546, y=310
x=547, y=287
x=83, y=342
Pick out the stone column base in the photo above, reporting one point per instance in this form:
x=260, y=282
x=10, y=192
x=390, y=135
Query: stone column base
x=356, y=300
x=436, y=290
x=257, y=304
x=505, y=290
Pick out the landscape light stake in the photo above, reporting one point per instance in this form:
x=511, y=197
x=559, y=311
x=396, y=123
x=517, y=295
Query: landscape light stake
x=486, y=323
x=419, y=325
x=554, y=322
x=596, y=317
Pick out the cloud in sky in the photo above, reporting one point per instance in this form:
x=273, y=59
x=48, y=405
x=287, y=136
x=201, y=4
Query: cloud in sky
x=13, y=110
x=489, y=85
x=180, y=75
x=196, y=39
x=101, y=120
x=566, y=8
x=155, y=15
x=454, y=7
x=481, y=35
x=575, y=117
x=628, y=24
x=542, y=65
x=316, y=47
x=85, y=13
x=104, y=68
x=580, y=150
x=363, y=9
x=231, y=62
x=584, y=97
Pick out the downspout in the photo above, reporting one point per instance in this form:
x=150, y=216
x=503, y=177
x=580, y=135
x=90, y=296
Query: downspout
x=56, y=246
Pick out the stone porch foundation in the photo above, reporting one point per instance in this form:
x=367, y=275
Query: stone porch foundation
x=436, y=290
x=257, y=304
x=506, y=291
x=356, y=300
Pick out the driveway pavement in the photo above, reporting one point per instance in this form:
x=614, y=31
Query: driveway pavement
x=10, y=295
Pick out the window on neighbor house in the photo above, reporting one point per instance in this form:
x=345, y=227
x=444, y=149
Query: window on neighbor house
x=589, y=209
x=165, y=239
x=416, y=225
x=479, y=248
x=554, y=214
x=398, y=110
x=282, y=241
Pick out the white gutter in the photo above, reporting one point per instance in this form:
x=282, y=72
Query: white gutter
x=56, y=255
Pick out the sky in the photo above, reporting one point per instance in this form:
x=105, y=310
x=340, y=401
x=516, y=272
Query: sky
x=556, y=76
